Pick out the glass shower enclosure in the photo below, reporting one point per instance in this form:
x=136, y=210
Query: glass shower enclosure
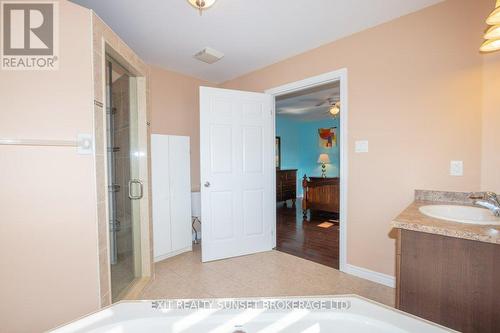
x=124, y=187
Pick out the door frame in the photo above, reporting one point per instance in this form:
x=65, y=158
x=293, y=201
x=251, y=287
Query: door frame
x=337, y=75
x=142, y=246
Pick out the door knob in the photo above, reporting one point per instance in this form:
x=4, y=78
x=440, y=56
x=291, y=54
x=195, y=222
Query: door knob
x=207, y=184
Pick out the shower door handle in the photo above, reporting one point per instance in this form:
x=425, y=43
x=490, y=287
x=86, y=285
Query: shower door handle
x=141, y=189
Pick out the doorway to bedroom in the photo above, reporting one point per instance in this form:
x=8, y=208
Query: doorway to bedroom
x=308, y=160
x=239, y=166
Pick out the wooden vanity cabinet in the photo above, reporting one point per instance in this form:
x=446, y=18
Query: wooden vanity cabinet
x=451, y=281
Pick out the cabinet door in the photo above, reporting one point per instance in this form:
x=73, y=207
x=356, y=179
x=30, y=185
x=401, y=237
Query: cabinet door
x=160, y=169
x=180, y=192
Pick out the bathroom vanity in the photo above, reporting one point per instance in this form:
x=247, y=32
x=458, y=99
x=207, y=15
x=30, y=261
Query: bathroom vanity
x=448, y=272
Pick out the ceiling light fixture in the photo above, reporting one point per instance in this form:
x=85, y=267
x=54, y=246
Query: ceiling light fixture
x=493, y=32
x=490, y=45
x=494, y=17
x=492, y=35
x=201, y=4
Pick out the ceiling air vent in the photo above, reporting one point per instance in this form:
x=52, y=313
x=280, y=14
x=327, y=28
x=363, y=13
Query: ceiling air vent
x=209, y=55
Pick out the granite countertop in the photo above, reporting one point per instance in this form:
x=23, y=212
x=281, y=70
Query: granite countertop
x=412, y=219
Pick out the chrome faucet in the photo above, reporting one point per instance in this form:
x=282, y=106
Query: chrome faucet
x=490, y=201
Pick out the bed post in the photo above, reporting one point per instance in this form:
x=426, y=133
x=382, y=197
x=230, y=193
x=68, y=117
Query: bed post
x=304, y=197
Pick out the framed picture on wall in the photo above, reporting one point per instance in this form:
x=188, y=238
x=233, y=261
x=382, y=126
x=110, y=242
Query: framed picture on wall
x=327, y=137
x=278, y=152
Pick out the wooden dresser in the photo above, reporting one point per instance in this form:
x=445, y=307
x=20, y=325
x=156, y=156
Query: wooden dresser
x=286, y=186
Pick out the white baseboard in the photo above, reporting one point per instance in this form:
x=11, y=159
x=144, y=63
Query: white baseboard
x=172, y=254
x=367, y=274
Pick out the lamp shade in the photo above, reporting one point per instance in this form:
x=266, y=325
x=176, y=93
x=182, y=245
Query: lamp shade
x=323, y=159
x=493, y=32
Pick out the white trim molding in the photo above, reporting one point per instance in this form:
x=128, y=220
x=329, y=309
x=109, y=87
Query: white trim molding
x=173, y=254
x=338, y=75
x=386, y=280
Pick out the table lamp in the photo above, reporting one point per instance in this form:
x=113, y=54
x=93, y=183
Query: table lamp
x=323, y=159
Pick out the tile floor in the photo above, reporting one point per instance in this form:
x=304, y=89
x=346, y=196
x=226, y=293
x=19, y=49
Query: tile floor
x=264, y=274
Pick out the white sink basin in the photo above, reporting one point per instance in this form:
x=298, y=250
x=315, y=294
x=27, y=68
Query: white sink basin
x=462, y=214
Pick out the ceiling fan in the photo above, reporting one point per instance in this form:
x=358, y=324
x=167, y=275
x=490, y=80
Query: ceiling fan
x=329, y=106
x=334, y=108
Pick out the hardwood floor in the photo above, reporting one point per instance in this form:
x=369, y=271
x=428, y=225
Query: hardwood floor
x=305, y=238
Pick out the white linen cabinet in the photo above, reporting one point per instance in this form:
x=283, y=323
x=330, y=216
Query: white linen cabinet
x=171, y=191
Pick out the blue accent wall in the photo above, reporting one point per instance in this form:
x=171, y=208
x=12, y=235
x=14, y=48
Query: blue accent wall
x=300, y=147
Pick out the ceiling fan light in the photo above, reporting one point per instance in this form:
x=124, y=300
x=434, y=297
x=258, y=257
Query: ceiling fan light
x=334, y=110
x=490, y=45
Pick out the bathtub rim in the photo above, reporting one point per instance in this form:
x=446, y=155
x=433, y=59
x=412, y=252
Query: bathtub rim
x=257, y=298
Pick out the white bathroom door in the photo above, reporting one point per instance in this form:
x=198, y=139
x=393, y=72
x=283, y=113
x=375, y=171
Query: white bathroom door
x=237, y=165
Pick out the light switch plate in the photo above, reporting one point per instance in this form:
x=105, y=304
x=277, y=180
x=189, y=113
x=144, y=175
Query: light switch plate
x=456, y=168
x=361, y=146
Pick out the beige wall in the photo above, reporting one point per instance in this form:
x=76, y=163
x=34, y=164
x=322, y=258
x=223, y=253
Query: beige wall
x=415, y=92
x=48, y=232
x=490, y=172
x=175, y=111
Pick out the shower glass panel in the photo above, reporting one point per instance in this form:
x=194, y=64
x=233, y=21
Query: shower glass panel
x=124, y=188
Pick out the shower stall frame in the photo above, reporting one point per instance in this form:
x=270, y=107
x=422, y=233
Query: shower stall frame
x=107, y=44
